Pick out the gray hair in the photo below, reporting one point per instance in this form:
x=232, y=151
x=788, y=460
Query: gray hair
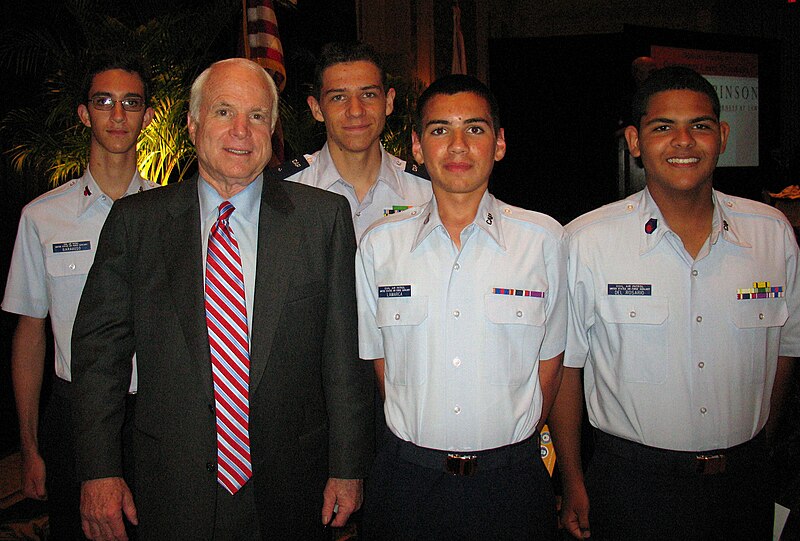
x=196, y=95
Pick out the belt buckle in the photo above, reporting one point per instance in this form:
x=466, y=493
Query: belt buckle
x=710, y=464
x=464, y=465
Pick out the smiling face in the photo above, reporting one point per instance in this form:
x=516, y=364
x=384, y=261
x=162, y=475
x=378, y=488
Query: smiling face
x=457, y=143
x=679, y=140
x=115, y=131
x=353, y=105
x=233, y=129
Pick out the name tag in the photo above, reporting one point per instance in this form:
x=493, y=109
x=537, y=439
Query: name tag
x=394, y=291
x=630, y=289
x=76, y=246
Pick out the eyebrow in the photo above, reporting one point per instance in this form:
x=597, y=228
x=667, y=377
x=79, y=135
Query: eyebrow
x=476, y=120
x=126, y=95
x=663, y=120
x=362, y=88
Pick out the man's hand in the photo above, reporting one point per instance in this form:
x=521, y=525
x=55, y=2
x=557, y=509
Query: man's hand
x=33, y=471
x=574, y=515
x=102, y=503
x=348, y=494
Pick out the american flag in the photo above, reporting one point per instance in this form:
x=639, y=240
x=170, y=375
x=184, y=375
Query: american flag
x=262, y=43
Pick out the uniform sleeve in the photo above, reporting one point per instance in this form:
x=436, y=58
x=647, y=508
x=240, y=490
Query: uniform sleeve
x=370, y=340
x=790, y=334
x=26, y=287
x=580, y=317
x=556, y=315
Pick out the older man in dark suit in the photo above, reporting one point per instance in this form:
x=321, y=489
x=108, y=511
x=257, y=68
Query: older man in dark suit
x=237, y=295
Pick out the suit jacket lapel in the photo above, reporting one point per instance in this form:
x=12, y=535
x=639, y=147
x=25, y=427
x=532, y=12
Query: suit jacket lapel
x=278, y=241
x=183, y=248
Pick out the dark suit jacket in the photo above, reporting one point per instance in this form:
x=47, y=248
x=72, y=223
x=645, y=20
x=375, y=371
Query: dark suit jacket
x=310, y=396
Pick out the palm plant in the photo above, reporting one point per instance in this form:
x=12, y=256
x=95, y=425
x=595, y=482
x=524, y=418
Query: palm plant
x=51, y=141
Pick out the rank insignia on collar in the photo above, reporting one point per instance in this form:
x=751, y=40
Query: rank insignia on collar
x=489, y=218
x=87, y=192
x=725, y=225
x=650, y=226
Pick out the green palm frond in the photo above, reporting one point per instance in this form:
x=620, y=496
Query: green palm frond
x=165, y=150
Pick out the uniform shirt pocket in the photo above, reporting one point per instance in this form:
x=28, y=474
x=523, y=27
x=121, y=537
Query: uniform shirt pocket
x=66, y=273
x=514, y=332
x=401, y=320
x=753, y=319
x=637, y=336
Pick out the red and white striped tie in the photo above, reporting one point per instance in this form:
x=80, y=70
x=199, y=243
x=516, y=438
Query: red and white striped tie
x=226, y=317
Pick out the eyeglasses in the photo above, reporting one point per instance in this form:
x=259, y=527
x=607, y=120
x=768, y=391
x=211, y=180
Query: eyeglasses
x=106, y=103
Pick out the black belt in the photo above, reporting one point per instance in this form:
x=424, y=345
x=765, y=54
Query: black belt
x=702, y=462
x=463, y=463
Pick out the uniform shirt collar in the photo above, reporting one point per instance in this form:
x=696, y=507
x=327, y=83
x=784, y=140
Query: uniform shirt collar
x=653, y=226
x=90, y=192
x=247, y=202
x=486, y=220
x=388, y=173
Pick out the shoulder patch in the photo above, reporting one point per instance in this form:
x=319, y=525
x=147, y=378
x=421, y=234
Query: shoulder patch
x=288, y=168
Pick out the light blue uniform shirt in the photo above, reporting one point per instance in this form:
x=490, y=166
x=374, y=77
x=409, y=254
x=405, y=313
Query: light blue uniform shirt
x=243, y=222
x=675, y=355
x=55, y=247
x=394, y=190
x=462, y=332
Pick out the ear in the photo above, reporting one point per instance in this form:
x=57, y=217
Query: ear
x=316, y=111
x=632, y=137
x=191, y=126
x=83, y=114
x=149, y=113
x=416, y=147
x=500, y=149
x=724, y=131
x=390, y=101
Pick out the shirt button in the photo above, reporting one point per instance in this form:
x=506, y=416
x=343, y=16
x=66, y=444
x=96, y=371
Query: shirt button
x=211, y=408
x=729, y=204
x=694, y=272
x=701, y=365
x=358, y=214
x=211, y=466
x=519, y=313
x=456, y=313
x=72, y=266
x=629, y=206
x=456, y=266
x=699, y=319
x=103, y=197
x=397, y=317
x=632, y=313
x=760, y=316
x=456, y=362
x=457, y=410
x=703, y=411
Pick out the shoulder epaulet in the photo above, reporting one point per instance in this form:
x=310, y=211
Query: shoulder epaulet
x=532, y=217
x=289, y=167
x=65, y=188
x=740, y=205
x=611, y=211
x=408, y=214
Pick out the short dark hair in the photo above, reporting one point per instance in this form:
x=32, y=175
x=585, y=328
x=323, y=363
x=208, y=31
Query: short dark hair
x=112, y=61
x=670, y=78
x=338, y=53
x=455, y=84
